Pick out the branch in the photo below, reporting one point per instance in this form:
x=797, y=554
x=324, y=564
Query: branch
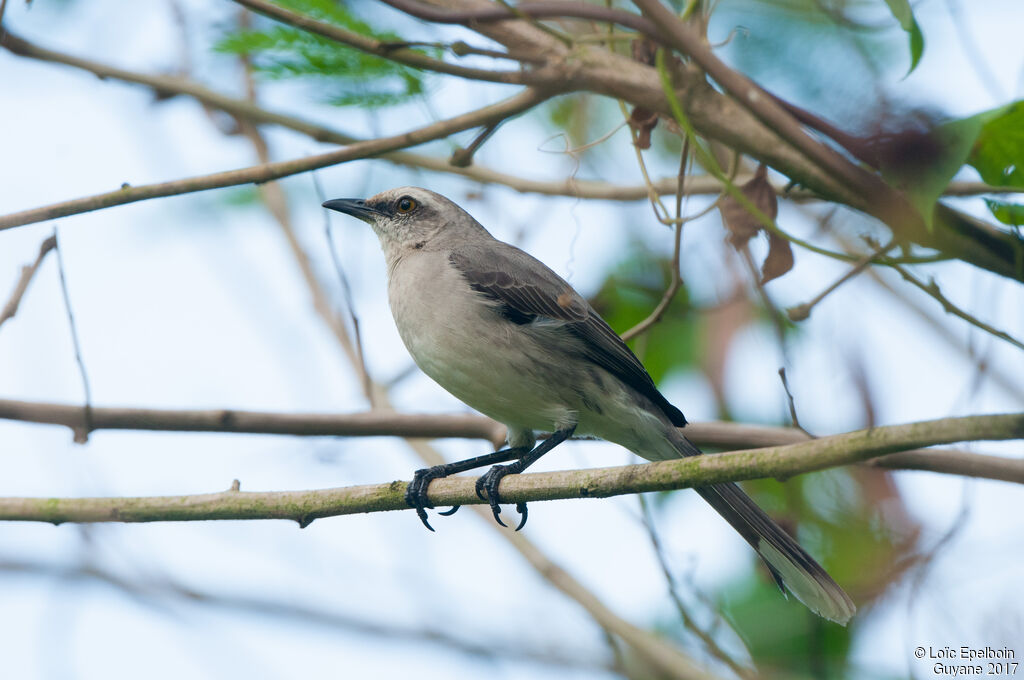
x=663, y=26
x=165, y=86
x=165, y=589
x=960, y=463
x=753, y=122
x=270, y=171
x=305, y=506
x=27, y=272
x=371, y=424
x=385, y=50
x=932, y=289
x=383, y=423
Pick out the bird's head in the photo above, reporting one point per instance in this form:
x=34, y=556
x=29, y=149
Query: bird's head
x=409, y=217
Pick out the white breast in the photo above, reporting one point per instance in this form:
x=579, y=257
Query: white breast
x=461, y=344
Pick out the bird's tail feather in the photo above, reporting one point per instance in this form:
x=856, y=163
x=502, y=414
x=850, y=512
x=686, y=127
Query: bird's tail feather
x=790, y=564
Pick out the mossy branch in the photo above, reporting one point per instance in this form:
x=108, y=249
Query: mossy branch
x=305, y=506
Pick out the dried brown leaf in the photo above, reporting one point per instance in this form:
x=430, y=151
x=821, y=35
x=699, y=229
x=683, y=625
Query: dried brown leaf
x=643, y=121
x=779, y=259
x=742, y=225
x=644, y=51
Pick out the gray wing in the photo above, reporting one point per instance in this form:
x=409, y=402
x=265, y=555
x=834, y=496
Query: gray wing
x=527, y=289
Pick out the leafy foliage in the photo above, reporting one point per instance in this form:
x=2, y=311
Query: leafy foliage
x=344, y=75
x=991, y=141
x=629, y=295
x=998, y=151
x=901, y=10
x=1006, y=212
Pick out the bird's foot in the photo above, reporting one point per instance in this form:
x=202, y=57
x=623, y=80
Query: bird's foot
x=416, y=492
x=488, y=484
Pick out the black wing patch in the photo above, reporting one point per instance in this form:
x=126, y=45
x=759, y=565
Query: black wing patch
x=526, y=289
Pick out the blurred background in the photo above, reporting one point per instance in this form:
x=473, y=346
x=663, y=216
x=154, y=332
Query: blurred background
x=200, y=302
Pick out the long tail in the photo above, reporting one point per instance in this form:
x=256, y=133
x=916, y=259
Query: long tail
x=790, y=564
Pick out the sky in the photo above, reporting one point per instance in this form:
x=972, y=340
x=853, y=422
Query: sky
x=193, y=302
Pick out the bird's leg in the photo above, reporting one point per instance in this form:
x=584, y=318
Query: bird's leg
x=492, y=478
x=416, y=492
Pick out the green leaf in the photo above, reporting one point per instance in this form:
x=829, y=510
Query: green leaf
x=905, y=16
x=342, y=75
x=930, y=163
x=991, y=141
x=1006, y=212
x=998, y=152
x=628, y=296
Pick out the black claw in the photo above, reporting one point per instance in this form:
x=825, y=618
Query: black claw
x=489, y=483
x=416, y=492
x=422, y=514
x=450, y=511
x=521, y=508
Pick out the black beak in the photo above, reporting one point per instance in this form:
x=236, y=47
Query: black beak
x=356, y=207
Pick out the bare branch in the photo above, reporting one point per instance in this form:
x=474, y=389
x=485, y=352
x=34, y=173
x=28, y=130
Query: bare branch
x=271, y=171
x=676, y=280
x=305, y=506
x=81, y=433
x=165, y=589
x=165, y=86
x=802, y=311
x=961, y=463
x=684, y=613
x=383, y=423
x=1004, y=379
x=932, y=289
x=27, y=272
x=371, y=424
x=663, y=26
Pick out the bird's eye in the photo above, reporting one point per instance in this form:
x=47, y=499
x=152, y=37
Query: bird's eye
x=406, y=205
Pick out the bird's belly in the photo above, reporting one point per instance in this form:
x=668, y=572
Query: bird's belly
x=481, y=359
x=490, y=374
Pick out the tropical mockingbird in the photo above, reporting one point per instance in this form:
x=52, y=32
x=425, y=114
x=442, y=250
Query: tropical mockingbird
x=508, y=336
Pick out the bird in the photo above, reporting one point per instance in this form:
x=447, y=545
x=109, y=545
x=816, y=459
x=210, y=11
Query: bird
x=509, y=337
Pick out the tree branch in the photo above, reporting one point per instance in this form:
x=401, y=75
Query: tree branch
x=961, y=463
x=305, y=506
x=371, y=424
x=384, y=423
x=401, y=55
x=166, y=85
x=27, y=272
x=270, y=171
x=164, y=589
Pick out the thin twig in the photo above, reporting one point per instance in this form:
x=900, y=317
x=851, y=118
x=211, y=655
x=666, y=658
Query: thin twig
x=346, y=292
x=661, y=25
x=673, y=591
x=305, y=506
x=81, y=432
x=463, y=158
x=792, y=403
x=279, y=609
x=25, y=278
x=382, y=49
x=171, y=85
x=266, y=172
x=941, y=330
x=932, y=289
x=677, y=280
x=802, y=311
